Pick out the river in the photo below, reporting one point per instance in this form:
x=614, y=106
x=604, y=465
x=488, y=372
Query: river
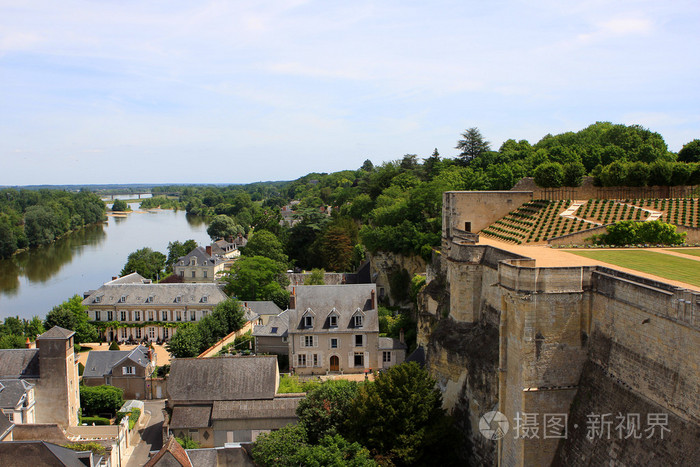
x=33, y=282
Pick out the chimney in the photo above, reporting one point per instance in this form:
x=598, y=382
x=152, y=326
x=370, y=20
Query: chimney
x=150, y=354
x=293, y=299
x=245, y=304
x=373, y=299
x=401, y=338
x=208, y=250
x=114, y=278
x=28, y=344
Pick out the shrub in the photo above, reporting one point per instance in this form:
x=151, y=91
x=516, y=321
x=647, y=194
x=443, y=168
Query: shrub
x=95, y=420
x=134, y=417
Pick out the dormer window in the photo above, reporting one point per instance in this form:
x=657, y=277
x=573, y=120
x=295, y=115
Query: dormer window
x=308, y=321
x=98, y=299
x=333, y=318
x=177, y=299
x=358, y=321
x=149, y=299
x=204, y=299
x=122, y=299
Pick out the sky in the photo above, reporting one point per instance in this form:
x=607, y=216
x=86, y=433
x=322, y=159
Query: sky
x=139, y=91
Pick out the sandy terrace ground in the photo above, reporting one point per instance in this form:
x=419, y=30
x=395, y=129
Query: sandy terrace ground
x=162, y=355
x=552, y=257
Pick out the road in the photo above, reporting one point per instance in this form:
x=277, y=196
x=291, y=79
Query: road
x=151, y=437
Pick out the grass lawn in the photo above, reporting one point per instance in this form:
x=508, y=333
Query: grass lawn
x=659, y=264
x=686, y=251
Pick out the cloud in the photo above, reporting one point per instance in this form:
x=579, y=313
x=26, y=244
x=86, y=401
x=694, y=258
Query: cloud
x=619, y=27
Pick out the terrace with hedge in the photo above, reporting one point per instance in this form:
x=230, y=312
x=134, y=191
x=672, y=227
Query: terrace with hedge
x=538, y=221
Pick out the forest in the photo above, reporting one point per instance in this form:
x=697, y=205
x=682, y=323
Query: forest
x=396, y=206
x=30, y=218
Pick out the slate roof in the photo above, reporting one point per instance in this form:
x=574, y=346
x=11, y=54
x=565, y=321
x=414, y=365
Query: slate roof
x=191, y=416
x=19, y=363
x=24, y=453
x=162, y=294
x=6, y=427
x=222, y=378
x=345, y=299
x=417, y=356
x=262, y=307
x=170, y=448
x=101, y=363
x=389, y=343
x=12, y=391
x=133, y=278
x=279, y=407
x=203, y=259
x=56, y=332
x=278, y=326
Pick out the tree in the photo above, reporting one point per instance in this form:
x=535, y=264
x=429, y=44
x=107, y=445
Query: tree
x=690, y=152
x=227, y=317
x=573, y=173
x=148, y=263
x=264, y=243
x=472, y=145
x=95, y=400
x=637, y=174
x=316, y=277
x=279, y=448
x=324, y=410
x=400, y=416
x=72, y=315
x=614, y=174
x=336, y=249
x=258, y=278
x=177, y=249
x=680, y=173
x=549, y=175
x=186, y=342
x=223, y=227
x=188, y=443
x=660, y=173
x=120, y=205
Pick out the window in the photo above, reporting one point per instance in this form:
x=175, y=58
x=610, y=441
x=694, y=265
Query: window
x=164, y=315
x=166, y=333
x=274, y=330
x=205, y=273
x=315, y=359
x=333, y=321
x=11, y=416
x=149, y=300
x=194, y=273
x=122, y=299
x=358, y=340
x=178, y=315
x=129, y=370
x=150, y=315
x=137, y=315
x=301, y=360
x=204, y=299
x=177, y=299
x=308, y=321
x=182, y=273
x=359, y=359
x=308, y=341
x=358, y=321
x=123, y=333
x=123, y=315
x=152, y=333
x=334, y=343
x=98, y=299
x=109, y=316
x=138, y=333
x=97, y=315
x=386, y=357
x=193, y=315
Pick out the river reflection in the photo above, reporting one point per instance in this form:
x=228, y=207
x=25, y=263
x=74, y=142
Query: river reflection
x=34, y=281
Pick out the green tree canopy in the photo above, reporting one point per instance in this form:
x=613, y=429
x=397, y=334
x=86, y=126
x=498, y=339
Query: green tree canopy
x=150, y=264
x=178, y=249
x=186, y=342
x=324, y=410
x=258, y=278
x=120, y=205
x=549, y=175
x=264, y=243
x=316, y=277
x=400, y=416
x=472, y=145
x=72, y=315
x=223, y=226
x=690, y=152
x=95, y=400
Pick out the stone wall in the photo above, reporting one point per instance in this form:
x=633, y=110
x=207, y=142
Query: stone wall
x=383, y=265
x=478, y=209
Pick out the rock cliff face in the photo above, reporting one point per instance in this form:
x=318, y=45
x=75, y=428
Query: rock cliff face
x=383, y=265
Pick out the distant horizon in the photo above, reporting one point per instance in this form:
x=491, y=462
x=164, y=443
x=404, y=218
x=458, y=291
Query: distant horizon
x=227, y=92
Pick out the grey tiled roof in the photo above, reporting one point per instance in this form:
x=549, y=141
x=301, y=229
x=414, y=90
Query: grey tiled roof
x=203, y=259
x=279, y=407
x=389, y=343
x=56, y=332
x=162, y=294
x=12, y=391
x=23, y=453
x=191, y=416
x=101, y=363
x=133, y=278
x=19, y=363
x=5, y=427
x=345, y=299
x=279, y=324
x=223, y=378
x=417, y=356
x=262, y=307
